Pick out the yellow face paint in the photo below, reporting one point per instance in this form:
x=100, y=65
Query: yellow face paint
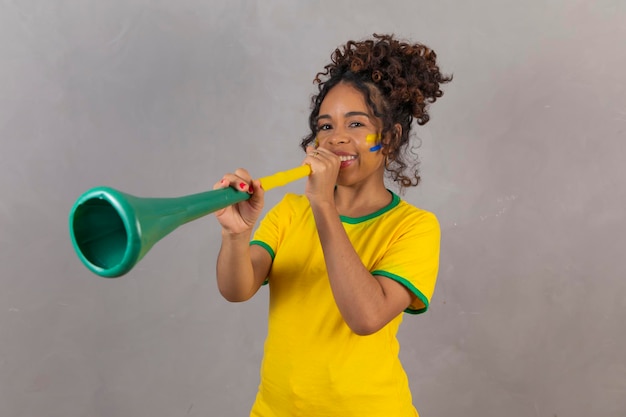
x=373, y=139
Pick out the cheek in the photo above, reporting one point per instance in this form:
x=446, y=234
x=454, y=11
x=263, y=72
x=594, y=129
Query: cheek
x=321, y=137
x=372, y=159
x=373, y=142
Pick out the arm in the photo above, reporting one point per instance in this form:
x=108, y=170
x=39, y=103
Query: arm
x=241, y=269
x=366, y=302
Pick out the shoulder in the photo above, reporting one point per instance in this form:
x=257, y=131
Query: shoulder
x=407, y=213
x=291, y=205
x=407, y=222
x=295, y=199
x=295, y=202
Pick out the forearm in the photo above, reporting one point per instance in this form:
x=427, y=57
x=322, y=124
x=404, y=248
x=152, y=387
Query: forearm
x=360, y=297
x=235, y=272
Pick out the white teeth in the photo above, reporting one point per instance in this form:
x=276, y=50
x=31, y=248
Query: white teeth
x=344, y=158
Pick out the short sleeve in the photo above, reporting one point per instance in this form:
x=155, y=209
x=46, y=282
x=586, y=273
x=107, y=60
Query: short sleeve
x=267, y=234
x=412, y=258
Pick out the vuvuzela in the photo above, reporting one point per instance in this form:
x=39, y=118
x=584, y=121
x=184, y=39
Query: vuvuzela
x=111, y=231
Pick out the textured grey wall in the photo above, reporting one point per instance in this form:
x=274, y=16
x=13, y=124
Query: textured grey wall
x=522, y=162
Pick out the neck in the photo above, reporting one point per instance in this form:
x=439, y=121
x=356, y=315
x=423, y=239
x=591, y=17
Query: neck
x=361, y=201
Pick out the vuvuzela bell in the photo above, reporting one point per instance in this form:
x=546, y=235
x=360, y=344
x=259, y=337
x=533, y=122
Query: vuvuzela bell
x=111, y=231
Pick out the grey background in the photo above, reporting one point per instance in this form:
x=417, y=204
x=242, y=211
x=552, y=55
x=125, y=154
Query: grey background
x=522, y=162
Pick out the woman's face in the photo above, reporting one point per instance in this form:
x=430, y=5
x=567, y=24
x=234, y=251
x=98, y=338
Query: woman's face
x=347, y=127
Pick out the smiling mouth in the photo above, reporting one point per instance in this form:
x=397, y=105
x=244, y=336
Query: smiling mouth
x=345, y=158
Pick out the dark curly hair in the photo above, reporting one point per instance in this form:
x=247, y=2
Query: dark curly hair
x=398, y=81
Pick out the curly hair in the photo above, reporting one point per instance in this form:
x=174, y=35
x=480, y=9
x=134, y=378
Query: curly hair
x=398, y=81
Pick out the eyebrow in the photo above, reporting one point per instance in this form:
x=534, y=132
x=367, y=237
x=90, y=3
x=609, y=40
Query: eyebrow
x=349, y=114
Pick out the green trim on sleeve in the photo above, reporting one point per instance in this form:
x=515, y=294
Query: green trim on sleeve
x=268, y=249
x=264, y=246
x=411, y=288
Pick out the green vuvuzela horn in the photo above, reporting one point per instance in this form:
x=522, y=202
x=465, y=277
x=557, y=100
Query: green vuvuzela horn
x=111, y=231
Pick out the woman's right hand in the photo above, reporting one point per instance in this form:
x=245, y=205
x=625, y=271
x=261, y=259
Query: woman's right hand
x=241, y=217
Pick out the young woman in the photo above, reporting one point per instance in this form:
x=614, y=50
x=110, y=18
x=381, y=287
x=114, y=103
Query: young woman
x=347, y=258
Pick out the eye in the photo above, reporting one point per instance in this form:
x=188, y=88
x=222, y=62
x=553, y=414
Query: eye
x=356, y=124
x=325, y=126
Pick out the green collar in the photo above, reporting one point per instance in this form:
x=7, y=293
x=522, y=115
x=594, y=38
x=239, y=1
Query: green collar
x=395, y=200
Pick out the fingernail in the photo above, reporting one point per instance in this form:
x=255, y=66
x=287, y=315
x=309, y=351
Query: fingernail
x=242, y=185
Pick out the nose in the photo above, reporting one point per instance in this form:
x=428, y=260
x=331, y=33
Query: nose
x=337, y=137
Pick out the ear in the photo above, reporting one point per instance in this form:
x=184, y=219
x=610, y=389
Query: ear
x=396, y=132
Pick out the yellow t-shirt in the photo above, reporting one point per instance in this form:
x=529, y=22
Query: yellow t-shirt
x=314, y=365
